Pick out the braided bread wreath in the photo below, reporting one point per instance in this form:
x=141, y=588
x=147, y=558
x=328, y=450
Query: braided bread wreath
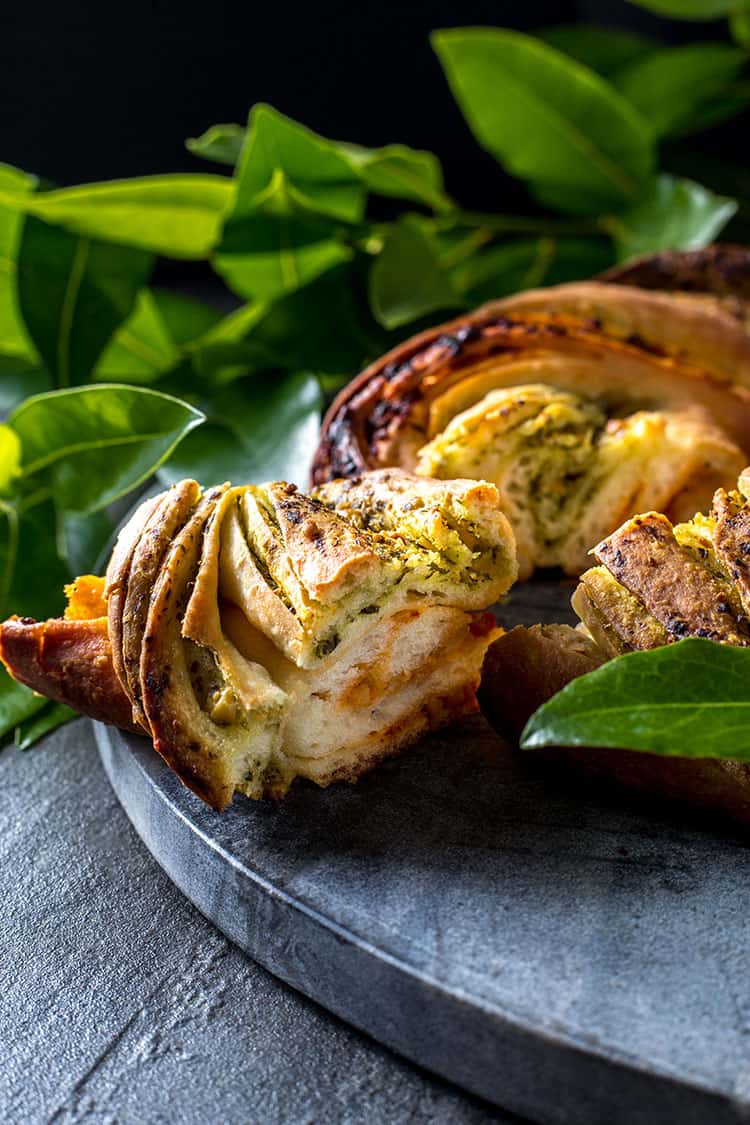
x=583, y=403
x=258, y=634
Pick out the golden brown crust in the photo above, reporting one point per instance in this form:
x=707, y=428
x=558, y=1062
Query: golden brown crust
x=696, y=329
x=245, y=586
x=115, y=582
x=525, y=667
x=674, y=586
x=70, y=662
x=394, y=493
x=385, y=498
x=731, y=540
x=440, y=403
x=173, y=717
x=287, y=561
x=325, y=554
x=616, y=620
x=130, y=582
x=657, y=583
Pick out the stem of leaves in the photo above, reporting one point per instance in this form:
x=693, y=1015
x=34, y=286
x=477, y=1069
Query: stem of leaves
x=521, y=224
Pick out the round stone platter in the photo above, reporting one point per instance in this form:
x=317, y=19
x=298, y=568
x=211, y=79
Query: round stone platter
x=569, y=955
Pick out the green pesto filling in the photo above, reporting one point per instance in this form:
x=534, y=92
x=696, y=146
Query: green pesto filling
x=536, y=442
x=412, y=559
x=262, y=562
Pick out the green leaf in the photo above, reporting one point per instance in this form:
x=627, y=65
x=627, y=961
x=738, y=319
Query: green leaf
x=407, y=280
x=185, y=318
x=14, y=338
x=258, y=429
x=15, y=182
x=578, y=258
x=732, y=101
x=674, y=86
x=603, y=49
x=83, y=539
x=9, y=544
x=739, y=25
x=142, y=349
x=322, y=178
x=179, y=216
x=17, y=703
x=52, y=716
x=222, y=361
x=510, y=267
x=326, y=327
x=163, y=328
x=687, y=700
x=295, y=190
x=676, y=214
x=18, y=380
x=221, y=143
x=550, y=121
x=506, y=268
x=32, y=572
x=97, y=443
x=236, y=324
x=723, y=176
x=10, y=458
x=400, y=172
x=314, y=165
x=73, y=294
x=298, y=195
x=278, y=246
x=697, y=10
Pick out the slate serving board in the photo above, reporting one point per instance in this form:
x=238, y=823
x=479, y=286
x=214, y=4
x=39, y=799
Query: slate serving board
x=572, y=956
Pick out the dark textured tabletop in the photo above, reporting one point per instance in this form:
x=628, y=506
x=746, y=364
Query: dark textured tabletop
x=121, y=1003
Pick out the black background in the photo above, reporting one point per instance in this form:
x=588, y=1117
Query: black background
x=93, y=90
